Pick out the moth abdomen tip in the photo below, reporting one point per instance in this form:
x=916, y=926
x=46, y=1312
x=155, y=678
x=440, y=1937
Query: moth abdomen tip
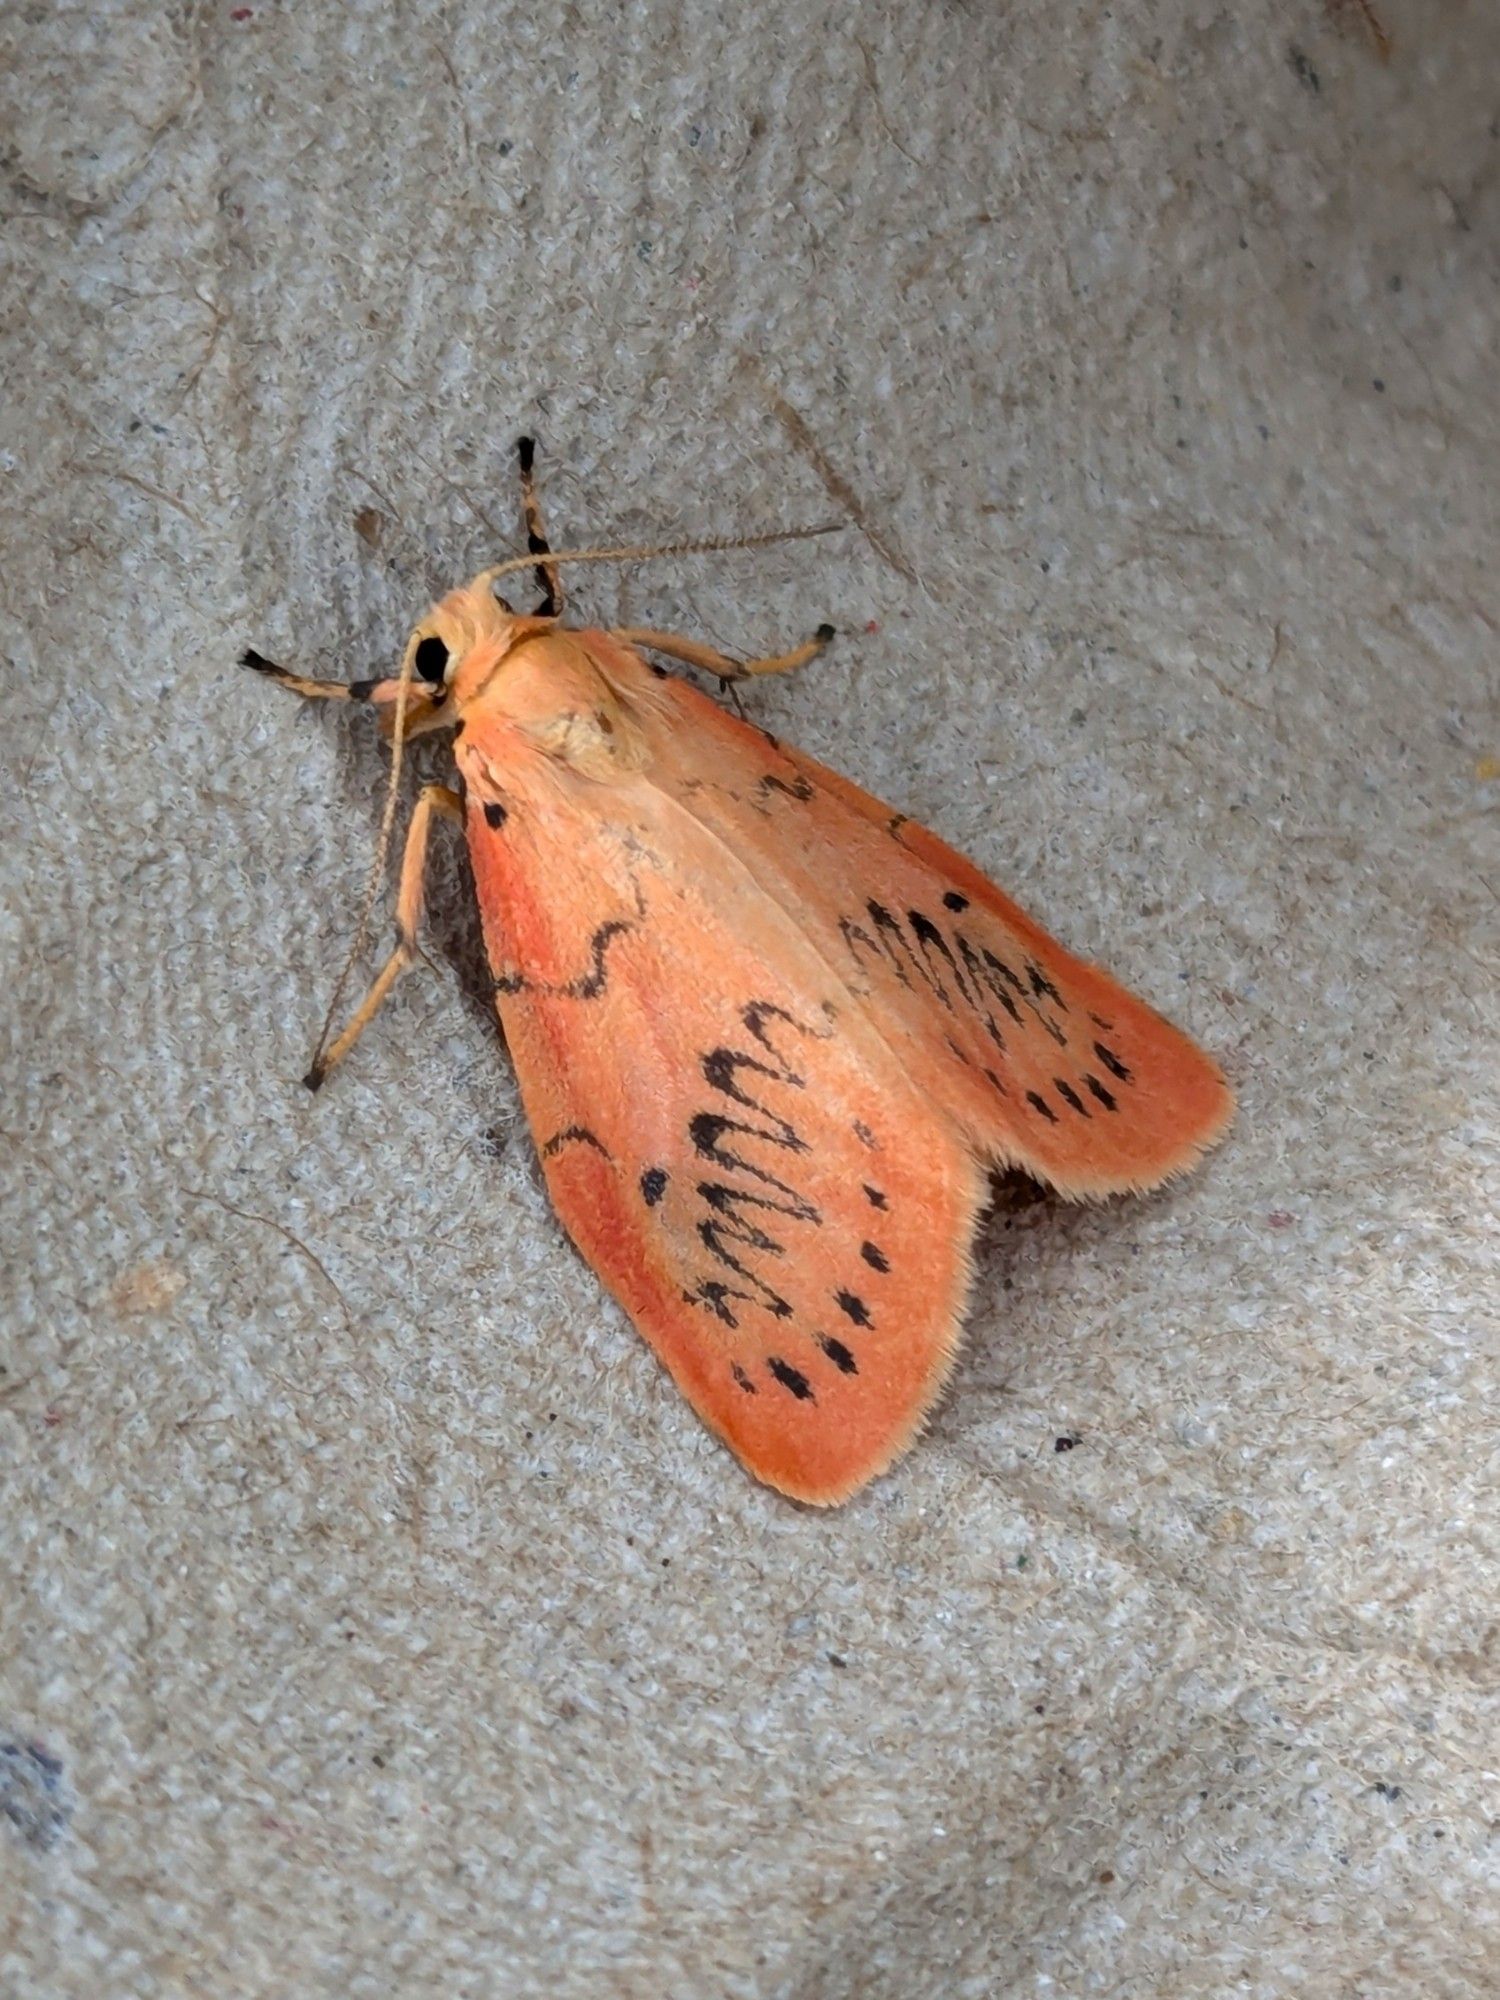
x=313, y=1081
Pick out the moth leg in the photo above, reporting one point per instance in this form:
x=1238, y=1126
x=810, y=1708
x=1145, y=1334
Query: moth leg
x=299, y=684
x=536, y=535
x=431, y=799
x=693, y=653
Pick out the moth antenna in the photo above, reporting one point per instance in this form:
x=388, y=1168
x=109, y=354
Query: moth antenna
x=376, y=880
x=644, y=552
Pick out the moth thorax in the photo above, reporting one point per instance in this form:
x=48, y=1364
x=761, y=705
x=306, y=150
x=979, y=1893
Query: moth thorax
x=552, y=689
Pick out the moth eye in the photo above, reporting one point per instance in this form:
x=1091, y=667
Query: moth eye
x=432, y=659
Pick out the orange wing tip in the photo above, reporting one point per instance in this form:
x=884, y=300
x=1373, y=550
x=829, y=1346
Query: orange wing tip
x=835, y=1487
x=1175, y=1165
x=1167, y=1155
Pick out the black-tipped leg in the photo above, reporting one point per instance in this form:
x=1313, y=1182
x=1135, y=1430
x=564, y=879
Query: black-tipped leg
x=431, y=799
x=299, y=684
x=536, y=536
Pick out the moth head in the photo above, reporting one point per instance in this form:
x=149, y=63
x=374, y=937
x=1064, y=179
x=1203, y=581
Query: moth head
x=450, y=652
x=455, y=626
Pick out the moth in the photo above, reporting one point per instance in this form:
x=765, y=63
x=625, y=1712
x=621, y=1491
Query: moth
x=771, y=1035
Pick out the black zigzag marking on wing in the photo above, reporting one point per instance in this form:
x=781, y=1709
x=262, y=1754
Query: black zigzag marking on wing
x=738, y=1220
x=574, y=1135
x=588, y=985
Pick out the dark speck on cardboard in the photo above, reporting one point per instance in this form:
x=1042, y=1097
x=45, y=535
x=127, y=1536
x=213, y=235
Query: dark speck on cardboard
x=493, y=1141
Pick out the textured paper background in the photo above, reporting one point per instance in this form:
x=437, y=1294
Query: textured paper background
x=376, y=1619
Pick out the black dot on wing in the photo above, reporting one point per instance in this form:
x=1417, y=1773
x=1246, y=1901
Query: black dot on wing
x=494, y=813
x=1111, y=1062
x=874, y=1257
x=865, y=1136
x=854, y=1308
x=791, y=1379
x=1070, y=1096
x=1097, y=1089
x=838, y=1354
x=874, y=1197
x=653, y=1185
x=954, y=901
x=1039, y=1103
x=743, y=1379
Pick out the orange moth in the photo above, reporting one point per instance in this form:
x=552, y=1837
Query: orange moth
x=771, y=1036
